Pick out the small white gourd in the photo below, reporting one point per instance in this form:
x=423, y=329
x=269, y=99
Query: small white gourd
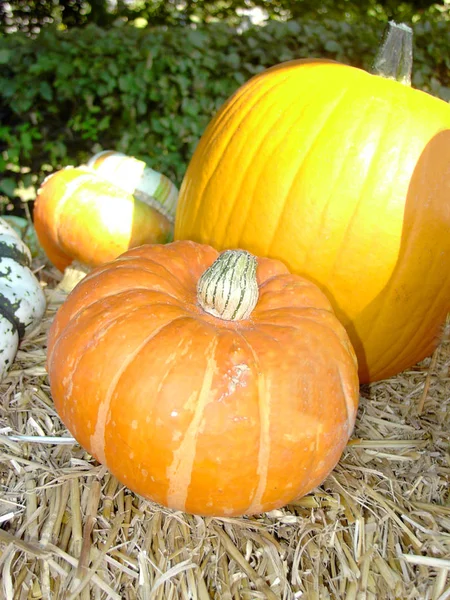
x=22, y=300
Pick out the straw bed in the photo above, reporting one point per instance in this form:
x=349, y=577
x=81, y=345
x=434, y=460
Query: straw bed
x=378, y=528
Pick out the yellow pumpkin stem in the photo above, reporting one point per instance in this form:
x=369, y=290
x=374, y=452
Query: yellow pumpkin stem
x=394, y=59
x=228, y=289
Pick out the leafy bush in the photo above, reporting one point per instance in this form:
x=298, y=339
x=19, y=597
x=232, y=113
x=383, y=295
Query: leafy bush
x=150, y=93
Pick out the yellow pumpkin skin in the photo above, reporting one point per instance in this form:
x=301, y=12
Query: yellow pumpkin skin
x=345, y=177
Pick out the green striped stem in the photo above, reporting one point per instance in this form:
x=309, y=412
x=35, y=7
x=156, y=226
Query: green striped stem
x=228, y=289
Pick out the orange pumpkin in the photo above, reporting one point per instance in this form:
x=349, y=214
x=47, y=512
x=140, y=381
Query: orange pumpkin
x=345, y=177
x=81, y=215
x=213, y=384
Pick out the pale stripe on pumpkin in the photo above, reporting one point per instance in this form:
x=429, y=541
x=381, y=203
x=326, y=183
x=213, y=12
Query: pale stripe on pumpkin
x=180, y=471
x=348, y=401
x=264, y=398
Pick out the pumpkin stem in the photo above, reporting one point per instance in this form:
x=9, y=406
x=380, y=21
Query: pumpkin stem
x=394, y=58
x=228, y=289
x=73, y=274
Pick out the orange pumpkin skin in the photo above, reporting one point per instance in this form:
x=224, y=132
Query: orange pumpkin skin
x=200, y=414
x=345, y=177
x=79, y=215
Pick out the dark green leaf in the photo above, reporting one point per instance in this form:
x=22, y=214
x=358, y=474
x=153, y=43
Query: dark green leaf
x=46, y=91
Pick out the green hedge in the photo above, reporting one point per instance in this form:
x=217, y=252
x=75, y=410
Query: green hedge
x=150, y=93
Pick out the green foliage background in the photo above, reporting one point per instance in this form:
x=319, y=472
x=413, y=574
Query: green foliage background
x=151, y=92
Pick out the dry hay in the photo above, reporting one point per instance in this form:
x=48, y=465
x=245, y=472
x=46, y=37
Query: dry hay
x=378, y=528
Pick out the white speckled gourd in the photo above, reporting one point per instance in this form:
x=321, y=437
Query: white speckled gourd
x=22, y=301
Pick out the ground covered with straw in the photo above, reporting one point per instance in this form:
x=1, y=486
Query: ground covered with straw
x=378, y=527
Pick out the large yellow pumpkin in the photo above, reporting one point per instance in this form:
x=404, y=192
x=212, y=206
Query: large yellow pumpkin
x=345, y=176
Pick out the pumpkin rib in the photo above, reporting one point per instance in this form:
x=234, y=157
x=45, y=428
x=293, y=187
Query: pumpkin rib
x=356, y=208
x=289, y=196
x=264, y=454
x=272, y=159
x=303, y=318
x=98, y=438
x=190, y=399
x=224, y=116
x=296, y=289
x=243, y=172
x=350, y=224
x=134, y=255
x=233, y=107
x=232, y=110
x=237, y=198
x=297, y=314
x=163, y=277
x=173, y=360
x=332, y=271
x=124, y=262
x=236, y=104
x=86, y=315
x=315, y=458
x=76, y=318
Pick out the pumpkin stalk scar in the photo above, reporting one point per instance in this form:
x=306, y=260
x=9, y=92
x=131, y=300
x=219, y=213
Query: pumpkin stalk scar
x=180, y=471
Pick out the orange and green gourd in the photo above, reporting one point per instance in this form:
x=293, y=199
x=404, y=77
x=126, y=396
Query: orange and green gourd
x=93, y=213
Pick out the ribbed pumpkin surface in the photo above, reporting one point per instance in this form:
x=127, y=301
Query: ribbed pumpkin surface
x=197, y=413
x=344, y=176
